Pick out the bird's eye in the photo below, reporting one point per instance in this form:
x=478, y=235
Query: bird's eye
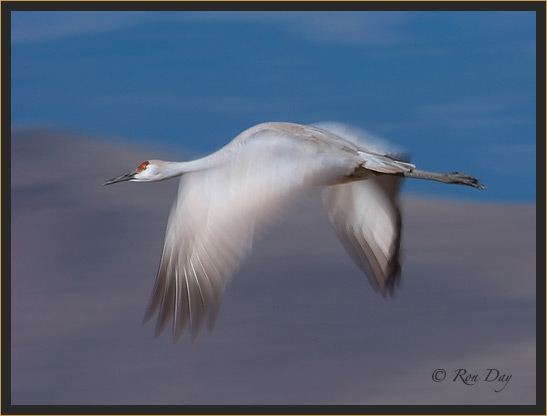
x=142, y=166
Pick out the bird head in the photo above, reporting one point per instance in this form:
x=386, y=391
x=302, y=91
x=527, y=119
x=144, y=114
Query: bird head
x=148, y=171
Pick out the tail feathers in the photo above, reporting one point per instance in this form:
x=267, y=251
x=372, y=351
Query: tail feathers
x=385, y=164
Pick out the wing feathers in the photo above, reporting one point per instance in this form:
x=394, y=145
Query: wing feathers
x=212, y=225
x=219, y=211
x=368, y=222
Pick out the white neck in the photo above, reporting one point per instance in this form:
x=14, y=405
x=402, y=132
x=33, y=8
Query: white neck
x=174, y=169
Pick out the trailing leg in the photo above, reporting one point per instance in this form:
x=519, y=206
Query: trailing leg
x=454, y=177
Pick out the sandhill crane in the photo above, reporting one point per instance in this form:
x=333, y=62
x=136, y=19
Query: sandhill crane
x=226, y=197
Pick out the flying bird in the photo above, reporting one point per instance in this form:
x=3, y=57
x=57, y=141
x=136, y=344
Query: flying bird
x=225, y=198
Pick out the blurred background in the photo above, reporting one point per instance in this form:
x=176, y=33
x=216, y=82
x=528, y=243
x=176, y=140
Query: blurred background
x=96, y=93
x=456, y=89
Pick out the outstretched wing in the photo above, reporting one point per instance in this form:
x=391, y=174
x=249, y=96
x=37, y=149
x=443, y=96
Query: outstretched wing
x=218, y=212
x=367, y=219
x=366, y=214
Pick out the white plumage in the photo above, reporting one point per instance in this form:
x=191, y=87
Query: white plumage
x=225, y=198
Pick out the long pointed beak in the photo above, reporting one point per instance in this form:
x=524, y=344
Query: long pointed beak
x=122, y=178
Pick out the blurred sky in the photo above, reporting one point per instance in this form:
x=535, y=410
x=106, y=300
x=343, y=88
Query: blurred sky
x=96, y=93
x=456, y=89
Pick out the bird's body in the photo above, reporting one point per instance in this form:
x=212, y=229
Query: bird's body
x=226, y=197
